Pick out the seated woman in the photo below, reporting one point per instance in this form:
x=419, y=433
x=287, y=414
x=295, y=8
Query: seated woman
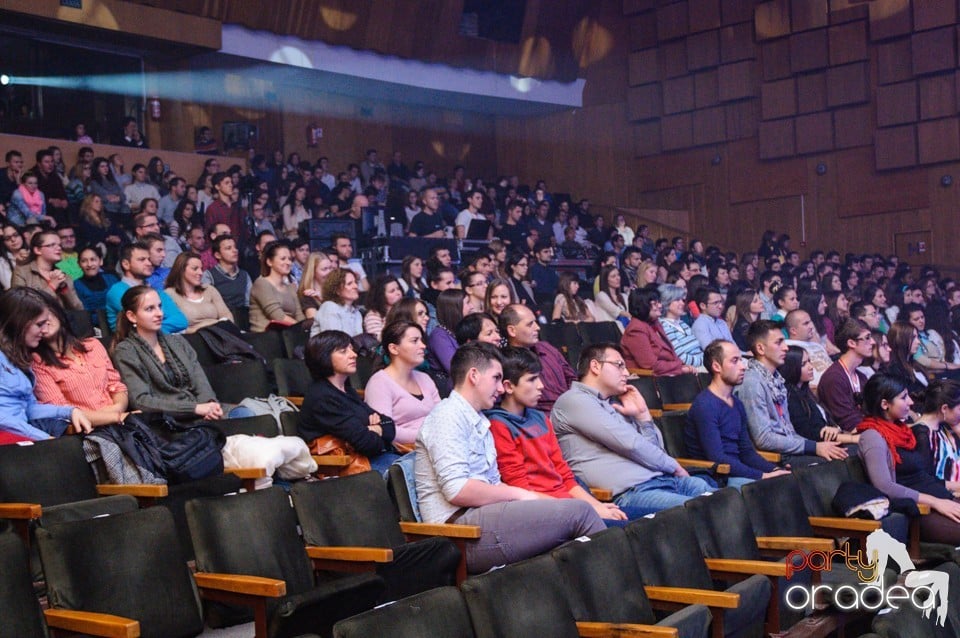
x=518, y=267
x=881, y=355
x=610, y=303
x=567, y=306
x=475, y=285
x=41, y=272
x=478, y=326
x=809, y=418
x=411, y=276
x=749, y=307
x=24, y=319
x=499, y=295
x=332, y=407
x=938, y=429
x=93, y=285
x=273, y=299
x=381, y=297
x=452, y=306
x=399, y=390
x=645, y=344
x=201, y=305
x=161, y=371
x=904, y=344
x=896, y=465
x=412, y=310
x=678, y=331
x=77, y=372
x=338, y=312
x=309, y=292
x=27, y=204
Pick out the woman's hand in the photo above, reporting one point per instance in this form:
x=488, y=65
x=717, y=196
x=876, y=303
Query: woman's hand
x=950, y=509
x=210, y=411
x=374, y=424
x=79, y=421
x=829, y=433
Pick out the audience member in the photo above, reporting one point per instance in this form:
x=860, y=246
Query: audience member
x=230, y=281
x=202, y=305
x=567, y=305
x=344, y=249
x=802, y=333
x=40, y=271
x=452, y=306
x=339, y=310
x=680, y=334
x=519, y=326
x=140, y=188
x=610, y=302
x=904, y=344
x=938, y=428
x=103, y=184
x=710, y=326
x=382, y=296
x=645, y=344
x=499, y=295
x=808, y=417
x=478, y=326
x=92, y=286
x=51, y=184
x=273, y=299
x=411, y=276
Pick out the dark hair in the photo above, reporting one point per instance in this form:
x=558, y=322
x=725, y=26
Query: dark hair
x=434, y=274
x=337, y=279
x=393, y=332
x=318, y=355
x=470, y=327
x=758, y=331
x=473, y=355
x=594, y=352
x=810, y=301
x=518, y=362
x=900, y=336
x=641, y=300
x=881, y=387
x=405, y=309
x=66, y=338
x=177, y=271
x=515, y=258
x=781, y=293
x=713, y=353
x=702, y=294
x=792, y=366
x=450, y=308
x=269, y=252
x=18, y=307
x=605, y=284
x=941, y=392
x=415, y=284
x=127, y=251
x=37, y=242
x=218, y=241
x=849, y=330
x=905, y=310
x=377, y=295
x=128, y=303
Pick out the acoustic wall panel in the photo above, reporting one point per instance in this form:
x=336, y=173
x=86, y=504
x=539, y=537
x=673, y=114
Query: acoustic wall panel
x=897, y=104
x=736, y=43
x=778, y=99
x=939, y=140
x=895, y=147
x=704, y=15
x=848, y=43
x=895, y=61
x=812, y=92
x=777, y=139
x=934, y=50
x=703, y=50
x=938, y=96
x=814, y=133
x=643, y=67
x=852, y=127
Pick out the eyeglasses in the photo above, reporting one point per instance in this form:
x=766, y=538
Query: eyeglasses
x=865, y=338
x=56, y=245
x=621, y=365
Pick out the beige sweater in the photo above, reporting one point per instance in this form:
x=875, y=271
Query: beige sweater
x=202, y=312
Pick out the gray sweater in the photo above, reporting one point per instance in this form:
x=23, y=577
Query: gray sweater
x=604, y=448
x=148, y=386
x=878, y=462
x=769, y=424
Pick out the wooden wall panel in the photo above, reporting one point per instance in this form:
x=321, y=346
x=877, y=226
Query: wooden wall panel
x=643, y=67
x=848, y=43
x=678, y=95
x=734, y=11
x=808, y=14
x=895, y=61
x=631, y=7
x=929, y=15
x=703, y=50
x=736, y=43
x=863, y=191
x=814, y=133
x=751, y=179
x=777, y=139
x=897, y=104
x=706, y=89
x=848, y=11
x=938, y=140
x=677, y=131
x=673, y=60
x=776, y=59
x=778, y=99
x=737, y=80
x=896, y=147
x=847, y=84
x=672, y=21
x=812, y=92
x=938, y=96
x=772, y=19
x=809, y=51
x=934, y=50
x=643, y=31
x=704, y=15
x=853, y=127
x=709, y=126
x=644, y=102
x=889, y=18
x=742, y=119
x=646, y=139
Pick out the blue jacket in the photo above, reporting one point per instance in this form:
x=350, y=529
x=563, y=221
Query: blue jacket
x=18, y=405
x=173, y=319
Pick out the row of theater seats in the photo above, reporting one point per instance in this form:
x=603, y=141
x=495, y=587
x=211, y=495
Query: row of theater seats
x=248, y=552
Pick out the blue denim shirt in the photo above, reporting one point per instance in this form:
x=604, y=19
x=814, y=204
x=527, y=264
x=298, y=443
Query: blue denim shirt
x=18, y=405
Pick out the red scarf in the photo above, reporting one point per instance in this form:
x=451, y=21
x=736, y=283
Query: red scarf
x=896, y=436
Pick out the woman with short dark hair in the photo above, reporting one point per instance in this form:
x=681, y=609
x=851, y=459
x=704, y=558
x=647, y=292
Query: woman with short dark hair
x=332, y=407
x=452, y=306
x=645, y=344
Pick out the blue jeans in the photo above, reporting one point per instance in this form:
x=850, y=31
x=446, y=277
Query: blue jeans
x=660, y=493
x=382, y=462
x=737, y=482
x=53, y=426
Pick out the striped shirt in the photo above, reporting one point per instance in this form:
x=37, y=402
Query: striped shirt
x=683, y=340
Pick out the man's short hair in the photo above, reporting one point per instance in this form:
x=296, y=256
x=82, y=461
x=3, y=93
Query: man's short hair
x=137, y=167
x=767, y=276
x=43, y=152
x=11, y=154
x=518, y=362
x=127, y=251
x=140, y=218
x=758, y=331
x=335, y=237
x=908, y=308
x=219, y=177
x=594, y=352
x=858, y=309
x=702, y=296
x=510, y=316
x=176, y=181
x=713, y=353
x=473, y=355
x=848, y=331
x=218, y=241
x=627, y=252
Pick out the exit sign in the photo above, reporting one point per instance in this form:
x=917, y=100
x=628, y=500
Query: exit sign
x=73, y=4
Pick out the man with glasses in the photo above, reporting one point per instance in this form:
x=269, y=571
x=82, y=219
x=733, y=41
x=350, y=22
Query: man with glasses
x=842, y=384
x=867, y=313
x=710, y=326
x=69, y=260
x=609, y=439
x=147, y=223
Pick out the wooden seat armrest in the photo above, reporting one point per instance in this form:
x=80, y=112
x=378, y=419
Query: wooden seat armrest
x=924, y=508
x=739, y=566
x=773, y=457
x=297, y=401
x=690, y=596
x=94, y=624
x=333, y=460
x=356, y=554
x=21, y=511
x=602, y=494
x=718, y=468
x=656, y=413
x=623, y=630
x=140, y=490
x=450, y=530
x=241, y=584
x=640, y=372
x=843, y=524
x=790, y=543
x=247, y=472
x=676, y=407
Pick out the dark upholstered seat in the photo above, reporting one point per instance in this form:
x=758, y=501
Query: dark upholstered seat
x=21, y=610
x=438, y=613
x=234, y=382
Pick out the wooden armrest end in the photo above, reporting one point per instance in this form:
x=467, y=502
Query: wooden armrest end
x=924, y=508
x=602, y=494
x=739, y=566
x=690, y=596
x=247, y=472
x=773, y=457
x=358, y=554
x=848, y=524
x=333, y=460
x=623, y=630
x=141, y=490
x=240, y=584
x=450, y=530
x=718, y=468
x=791, y=543
x=21, y=511
x=94, y=624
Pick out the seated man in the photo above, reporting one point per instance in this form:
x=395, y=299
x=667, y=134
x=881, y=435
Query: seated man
x=710, y=326
x=609, y=438
x=520, y=328
x=801, y=332
x=458, y=481
x=841, y=384
x=136, y=266
x=764, y=395
x=717, y=423
x=232, y=282
x=528, y=453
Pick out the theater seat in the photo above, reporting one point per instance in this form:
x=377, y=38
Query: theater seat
x=438, y=613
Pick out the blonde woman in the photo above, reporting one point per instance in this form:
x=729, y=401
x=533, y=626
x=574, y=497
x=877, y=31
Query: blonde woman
x=310, y=294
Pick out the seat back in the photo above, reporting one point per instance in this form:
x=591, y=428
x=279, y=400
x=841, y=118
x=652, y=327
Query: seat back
x=908, y=620
x=776, y=507
x=592, y=332
x=49, y=472
x=205, y=356
x=667, y=550
x=292, y=376
x=599, y=588
x=680, y=389
x=268, y=345
x=350, y=511
x=81, y=323
x=565, y=338
x=241, y=317
x=672, y=426
x=722, y=526
x=262, y=425
x=253, y=533
x=524, y=599
x=403, y=489
x=294, y=339
x=819, y=484
x=127, y=565
x=438, y=613
x=289, y=423
x=234, y=382
x=647, y=387
x=856, y=469
x=22, y=617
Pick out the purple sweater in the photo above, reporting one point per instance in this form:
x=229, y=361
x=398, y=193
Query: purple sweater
x=836, y=396
x=557, y=375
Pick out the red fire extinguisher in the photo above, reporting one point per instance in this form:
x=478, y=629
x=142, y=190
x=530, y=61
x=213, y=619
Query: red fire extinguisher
x=154, y=104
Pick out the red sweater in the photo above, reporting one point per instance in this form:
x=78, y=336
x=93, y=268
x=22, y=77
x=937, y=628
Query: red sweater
x=528, y=454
